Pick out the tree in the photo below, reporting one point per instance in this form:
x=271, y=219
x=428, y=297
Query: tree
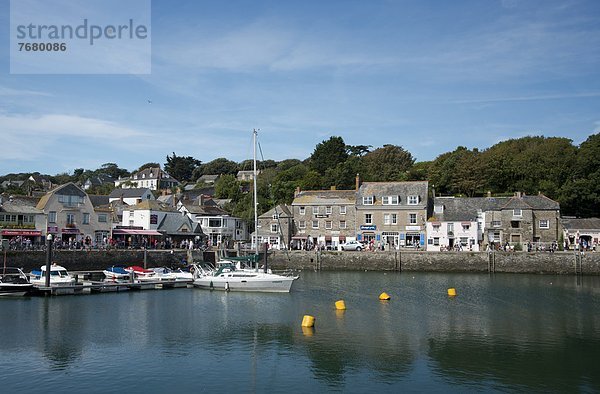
x=357, y=150
x=147, y=165
x=328, y=154
x=218, y=166
x=388, y=163
x=180, y=167
x=227, y=186
x=113, y=170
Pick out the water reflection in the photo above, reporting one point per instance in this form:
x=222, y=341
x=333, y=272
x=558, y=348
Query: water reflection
x=502, y=332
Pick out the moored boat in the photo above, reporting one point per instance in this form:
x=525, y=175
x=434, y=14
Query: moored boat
x=141, y=273
x=228, y=278
x=116, y=273
x=14, y=282
x=59, y=276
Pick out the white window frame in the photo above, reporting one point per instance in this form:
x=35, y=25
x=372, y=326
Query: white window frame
x=410, y=218
x=517, y=212
x=342, y=210
x=315, y=210
x=368, y=218
x=412, y=200
x=51, y=217
x=342, y=224
x=328, y=210
x=390, y=200
x=546, y=226
x=301, y=210
x=302, y=224
x=86, y=218
x=368, y=200
x=328, y=225
x=315, y=224
x=274, y=228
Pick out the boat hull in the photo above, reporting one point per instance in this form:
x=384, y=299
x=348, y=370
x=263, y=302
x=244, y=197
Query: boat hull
x=15, y=289
x=264, y=285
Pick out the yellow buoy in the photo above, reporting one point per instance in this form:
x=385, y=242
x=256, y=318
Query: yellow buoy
x=384, y=296
x=452, y=292
x=340, y=305
x=308, y=321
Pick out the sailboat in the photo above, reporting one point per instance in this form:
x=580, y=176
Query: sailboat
x=230, y=276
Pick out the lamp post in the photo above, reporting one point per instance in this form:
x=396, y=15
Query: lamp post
x=48, y=258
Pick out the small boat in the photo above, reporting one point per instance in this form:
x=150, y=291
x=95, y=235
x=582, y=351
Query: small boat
x=116, y=273
x=14, y=282
x=228, y=278
x=177, y=275
x=58, y=276
x=141, y=273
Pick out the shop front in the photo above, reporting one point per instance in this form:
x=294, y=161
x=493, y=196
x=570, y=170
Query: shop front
x=22, y=238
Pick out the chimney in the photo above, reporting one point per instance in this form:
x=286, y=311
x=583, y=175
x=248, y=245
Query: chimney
x=518, y=194
x=489, y=193
x=332, y=187
x=297, y=191
x=357, y=181
x=201, y=200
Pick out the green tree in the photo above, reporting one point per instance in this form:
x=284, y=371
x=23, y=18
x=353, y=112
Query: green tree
x=388, y=163
x=113, y=170
x=147, y=165
x=227, y=186
x=181, y=167
x=220, y=166
x=328, y=154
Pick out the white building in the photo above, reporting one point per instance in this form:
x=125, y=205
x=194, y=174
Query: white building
x=153, y=178
x=217, y=224
x=131, y=196
x=456, y=224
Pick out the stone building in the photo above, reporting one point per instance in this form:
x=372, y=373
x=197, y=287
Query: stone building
x=323, y=217
x=392, y=213
x=275, y=227
x=456, y=224
x=579, y=233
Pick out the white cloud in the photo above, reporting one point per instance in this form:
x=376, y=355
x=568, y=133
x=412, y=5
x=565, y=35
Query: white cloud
x=10, y=92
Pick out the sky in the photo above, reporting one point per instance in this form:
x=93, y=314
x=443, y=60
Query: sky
x=426, y=75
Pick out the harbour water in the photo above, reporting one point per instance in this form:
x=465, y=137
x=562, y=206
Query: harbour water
x=515, y=333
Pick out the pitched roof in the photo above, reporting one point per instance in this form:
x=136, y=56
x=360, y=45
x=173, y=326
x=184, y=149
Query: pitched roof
x=173, y=225
x=581, y=223
x=457, y=209
x=19, y=204
x=66, y=189
x=128, y=193
x=205, y=210
x=282, y=209
x=98, y=200
x=153, y=205
x=402, y=189
x=325, y=197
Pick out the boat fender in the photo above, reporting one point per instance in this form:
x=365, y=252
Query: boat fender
x=226, y=286
x=211, y=285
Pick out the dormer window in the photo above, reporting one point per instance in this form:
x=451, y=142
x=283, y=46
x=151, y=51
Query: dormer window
x=368, y=200
x=413, y=200
x=390, y=200
x=517, y=212
x=143, y=176
x=438, y=208
x=275, y=216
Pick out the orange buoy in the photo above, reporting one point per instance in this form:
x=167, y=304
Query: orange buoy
x=308, y=321
x=452, y=292
x=340, y=305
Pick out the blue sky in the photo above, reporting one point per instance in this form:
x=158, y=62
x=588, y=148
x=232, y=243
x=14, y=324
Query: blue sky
x=426, y=75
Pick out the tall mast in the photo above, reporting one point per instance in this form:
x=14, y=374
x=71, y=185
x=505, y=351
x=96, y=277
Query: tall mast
x=254, y=134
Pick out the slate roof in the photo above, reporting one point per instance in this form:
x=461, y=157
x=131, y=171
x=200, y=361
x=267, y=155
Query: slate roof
x=325, y=197
x=282, y=209
x=457, y=209
x=97, y=200
x=173, y=224
x=402, y=189
x=66, y=189
x=208, y=178
x=581, y=224
x=19, y=204
x=153, y=205
x=205, y=210
x=100, y=179
x=128, y=193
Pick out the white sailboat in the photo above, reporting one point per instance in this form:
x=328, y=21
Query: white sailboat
x=230, y=277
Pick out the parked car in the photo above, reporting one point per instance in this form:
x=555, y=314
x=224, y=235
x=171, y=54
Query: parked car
x=352, y=245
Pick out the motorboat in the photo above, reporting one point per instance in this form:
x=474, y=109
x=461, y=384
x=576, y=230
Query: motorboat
x=179, y=274
x=116, y=273
x=228, y=277
x=142, y=274
x=58, y=276
x=14, y=282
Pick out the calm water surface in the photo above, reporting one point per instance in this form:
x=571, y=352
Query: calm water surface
x=504, y=333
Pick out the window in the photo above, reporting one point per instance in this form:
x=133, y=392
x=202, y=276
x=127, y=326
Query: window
x=302, y=224
x=274, y=228
x=496, y=236
x=389, y=200
x=52, y=217
x=390, y=218
x=436, y=227
x=302, y=210
x=436, y=241
x=368, y=218
x=342, y=224
x=86, y=218
x=544, y=223
x=315, y=224
x=412, y=218
x=328, y=224
x=368, y=200
x=214, y=222
x=1, y=218
x=464, y=241
x=438, y=208
x=413, y=200
x=315, y=210
x=102, y=218
x=343, y=210
x=466, y=227
x=496, y=223
x=328, y=210
x=515, y=224
x=275, y=216
x=517, y=212
x=70, y=218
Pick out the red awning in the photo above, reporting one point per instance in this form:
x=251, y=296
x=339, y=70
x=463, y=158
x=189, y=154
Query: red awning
x=122, y=231
x=28, y=233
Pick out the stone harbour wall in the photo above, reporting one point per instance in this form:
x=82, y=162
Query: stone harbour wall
x=501, y=262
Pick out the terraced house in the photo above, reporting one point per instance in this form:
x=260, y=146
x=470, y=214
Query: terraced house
x=393, y=214
x=323, y=218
